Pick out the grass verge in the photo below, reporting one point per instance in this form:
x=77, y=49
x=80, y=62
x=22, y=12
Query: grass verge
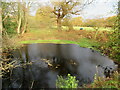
x=82, y=42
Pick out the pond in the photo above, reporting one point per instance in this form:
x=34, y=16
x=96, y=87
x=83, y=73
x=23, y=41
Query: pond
x=37, y=65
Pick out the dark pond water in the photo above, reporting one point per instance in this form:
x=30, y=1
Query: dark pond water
x=39, y=64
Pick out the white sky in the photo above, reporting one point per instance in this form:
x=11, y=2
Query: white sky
x=100, y=8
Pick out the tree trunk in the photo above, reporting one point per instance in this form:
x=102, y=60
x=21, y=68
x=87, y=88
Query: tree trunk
x=19, y=18
x=25, y=19
x=25, y=23
x=24, y=28
x=19, y=25
x=59, y=26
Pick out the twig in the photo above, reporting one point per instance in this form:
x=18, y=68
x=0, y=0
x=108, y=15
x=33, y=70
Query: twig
x=32, y=84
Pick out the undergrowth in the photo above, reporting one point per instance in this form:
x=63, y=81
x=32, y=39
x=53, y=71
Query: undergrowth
x=112, y=82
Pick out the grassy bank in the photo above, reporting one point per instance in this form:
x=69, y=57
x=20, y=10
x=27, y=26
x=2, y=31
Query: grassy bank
x=84, y=38
x=62, y=37
x=82, y=42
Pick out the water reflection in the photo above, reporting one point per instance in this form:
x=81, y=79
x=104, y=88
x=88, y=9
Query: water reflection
x=41, y=63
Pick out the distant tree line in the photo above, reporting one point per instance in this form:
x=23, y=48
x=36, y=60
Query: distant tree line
x=99, y=22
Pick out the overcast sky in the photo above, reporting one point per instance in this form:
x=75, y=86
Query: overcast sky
x=100, y=8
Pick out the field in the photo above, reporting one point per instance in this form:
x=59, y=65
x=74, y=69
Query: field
x=84, y=38
x=86, y=28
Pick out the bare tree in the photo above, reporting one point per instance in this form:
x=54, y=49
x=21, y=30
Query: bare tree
x=63, y=8
x=23, y=10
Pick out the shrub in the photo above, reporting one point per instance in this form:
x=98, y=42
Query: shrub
x=69, y=82
x=112, y=47
x=9, y=26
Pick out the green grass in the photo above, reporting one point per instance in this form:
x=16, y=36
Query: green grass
x=51, y=36
x=82, y=42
